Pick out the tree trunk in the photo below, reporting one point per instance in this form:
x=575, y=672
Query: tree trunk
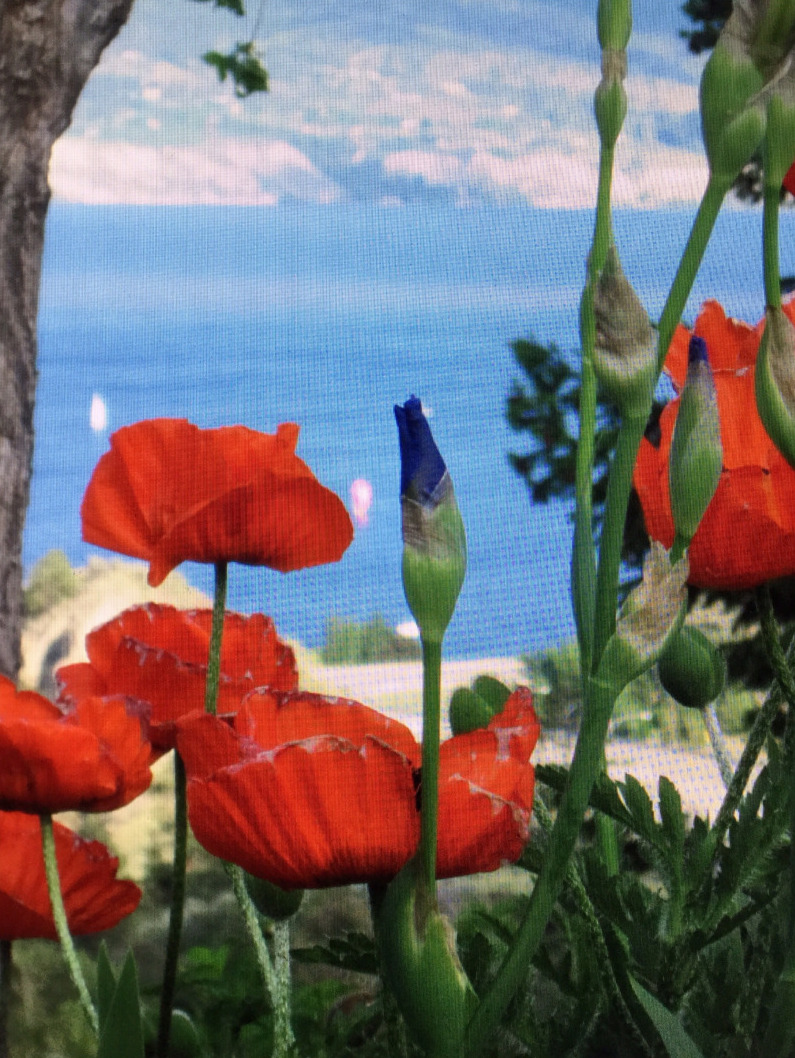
x=48, y=48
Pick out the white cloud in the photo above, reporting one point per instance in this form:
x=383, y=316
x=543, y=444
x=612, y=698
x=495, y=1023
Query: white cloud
x=228, y=172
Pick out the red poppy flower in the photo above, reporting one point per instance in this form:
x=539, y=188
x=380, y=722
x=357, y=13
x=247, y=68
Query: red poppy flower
x=169, y=492
x=789, y=179
x=94, y=898
x=747, y=535
x=308, y=791
x=92, y=757
x=158, y=654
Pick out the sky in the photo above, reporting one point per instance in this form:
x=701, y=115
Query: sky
x=455, y=101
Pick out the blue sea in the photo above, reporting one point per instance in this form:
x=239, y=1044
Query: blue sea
x=327, y=316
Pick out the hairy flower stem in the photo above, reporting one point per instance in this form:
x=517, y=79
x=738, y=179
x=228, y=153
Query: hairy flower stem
x=61, y=923
x=176, y=912
x=700, y=234
x=216, y=634
x=717, y=740
x=770, y=255
x=431, y=723
x=276, y=981
x=272, y=978
x=583, y=569
x=586, y=765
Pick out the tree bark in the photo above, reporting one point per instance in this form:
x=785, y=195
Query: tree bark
x=48, y=48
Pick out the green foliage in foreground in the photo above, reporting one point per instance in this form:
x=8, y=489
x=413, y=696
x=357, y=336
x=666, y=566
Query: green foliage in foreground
x=361, y=643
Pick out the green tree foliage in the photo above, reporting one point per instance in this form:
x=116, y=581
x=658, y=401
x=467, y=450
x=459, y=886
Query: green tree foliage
x=51, y=580
x=361, y=643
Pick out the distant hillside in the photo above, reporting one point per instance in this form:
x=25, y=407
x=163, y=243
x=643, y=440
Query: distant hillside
x=64, y=604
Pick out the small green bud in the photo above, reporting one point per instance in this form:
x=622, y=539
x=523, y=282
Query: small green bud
x=468, y=711
x=651, y=613
x=422, y=967
x=610, y=98
x=692, y=669
x=775, y=381
x=625, y=355
x=732, y=123
x=696, y=451
x=471, y=709
x=492, y=691
x=614, y=24
x=271, y=900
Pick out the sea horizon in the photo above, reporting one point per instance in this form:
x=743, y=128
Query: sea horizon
x=328, y=316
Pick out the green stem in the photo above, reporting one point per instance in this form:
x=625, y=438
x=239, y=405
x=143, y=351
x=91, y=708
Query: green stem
x=282, y=1029
x=251, y=920
x=431, y=723
x=60, y=919
x=176, y=914
x=619, y=487
x=583, y=570
x=770, y=255
x=720, y=750
x=689, y=264
x=395, y=1028
x=586, y=765
x=216, y=634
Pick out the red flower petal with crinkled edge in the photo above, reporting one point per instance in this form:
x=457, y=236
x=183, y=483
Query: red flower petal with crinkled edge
x=95, y=899
x=170, y=492
x=789, y=180
x=92, y=757
x=158, y=654
x=747, y=534
x=309, y=791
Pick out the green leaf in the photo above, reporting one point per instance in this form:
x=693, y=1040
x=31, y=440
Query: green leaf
x=244, y=67
x=676, y=1040
x=639, y=804
x=121, y=1033
x=106, y=983
x=672, y=816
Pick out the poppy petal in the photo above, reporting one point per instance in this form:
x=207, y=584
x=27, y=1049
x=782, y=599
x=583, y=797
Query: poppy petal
x=316, y=813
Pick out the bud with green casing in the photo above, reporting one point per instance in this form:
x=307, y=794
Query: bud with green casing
x=421, y=964
x=696, y=458
x=473, y=708
x=732, y=124
x=651, y=614
x=614, y=24
x=692, y=670
x=625, y=354
x=610, y=98
x=271, y=900
x=775, y=382
x=780, y=134
x=434, y=541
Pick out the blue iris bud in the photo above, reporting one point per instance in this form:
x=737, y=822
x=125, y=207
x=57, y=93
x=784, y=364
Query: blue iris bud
x=434, y=541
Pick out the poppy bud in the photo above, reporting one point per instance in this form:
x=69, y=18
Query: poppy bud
x=775, y=382
x=471, y=709
x=271, y=900
x=696, y=450
x=625, y=355
x=610, y=98
x=422, y=967
x=731, y=125
x=434, y=541
x=614, y=24
x=692, y=669
x=651, y=613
